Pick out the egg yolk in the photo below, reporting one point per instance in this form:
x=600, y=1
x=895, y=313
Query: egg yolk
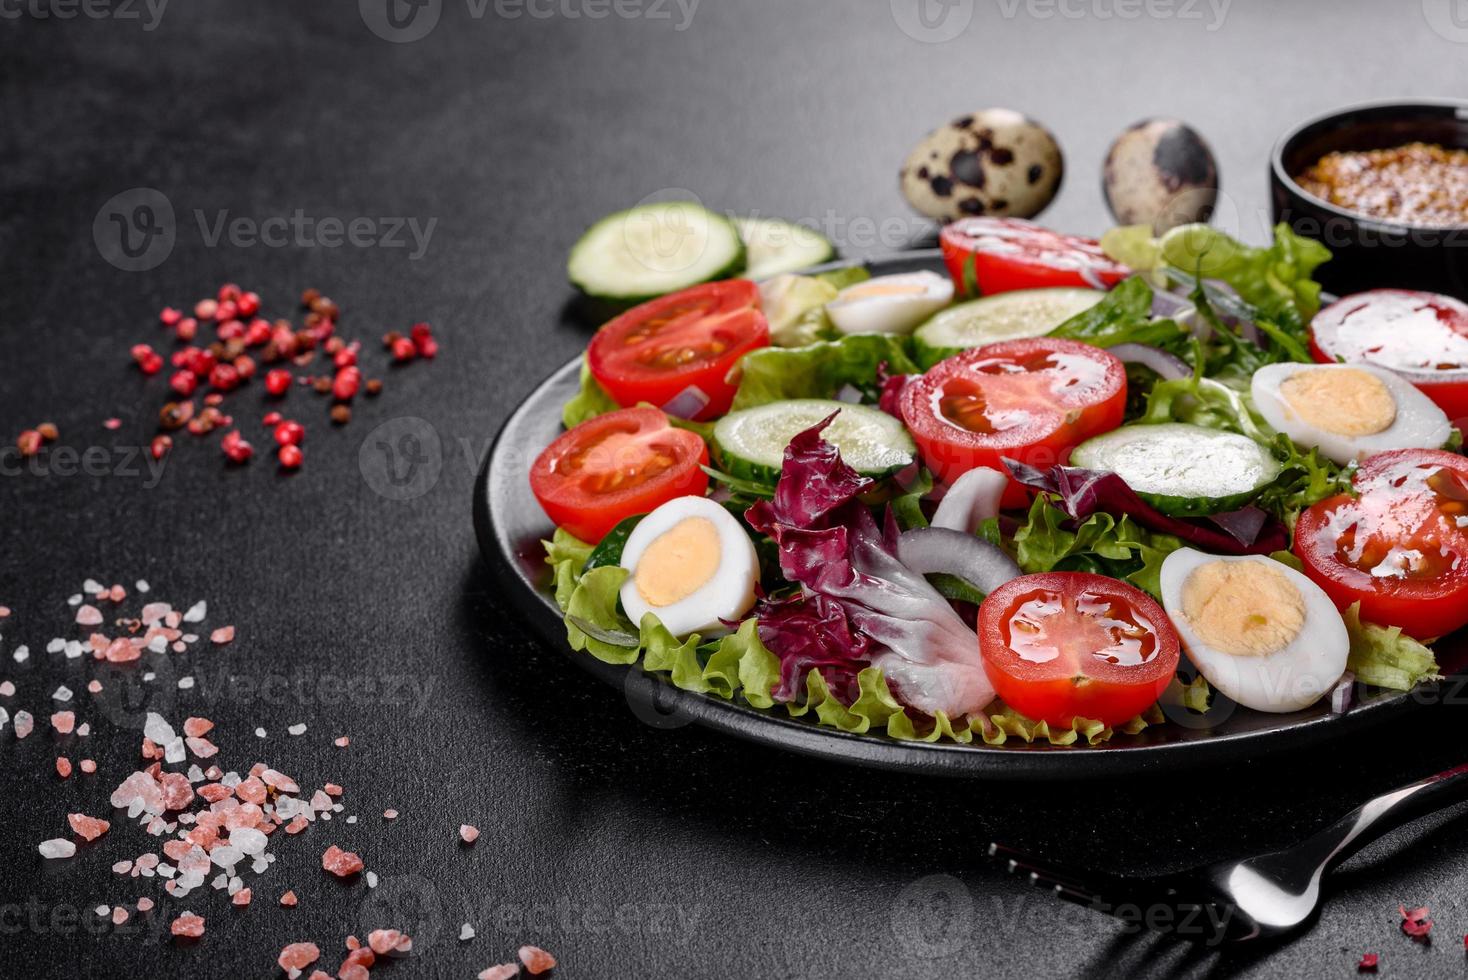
x=1243, y=608
x=885, y=289
x=679, y=562
x=1343, y=401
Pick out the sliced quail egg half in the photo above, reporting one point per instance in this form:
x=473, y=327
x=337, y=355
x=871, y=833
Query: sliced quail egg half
x=691, y=564
x=1259, y=631
x=1348, y=410
x=890, y=304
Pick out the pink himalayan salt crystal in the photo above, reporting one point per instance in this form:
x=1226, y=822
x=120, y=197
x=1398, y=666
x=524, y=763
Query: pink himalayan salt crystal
x=251, y=790
x=280, y=781
x=177, y=793
x=318, y=975
x=288, y=899
x=296, y=825
x=343, y=742
x=503, y=971
x=117, y=593
x=341, y=863
x=122, y=651
x=241, y=897
x=122, y=867
x=6, y=689
x=384, y=941
x=353, y=971
x=145, y=904
x=89, y=766
x=113, y=423
x=188, y=924
x=63, y=766
x=468, y=832
x=198, y=727
x=24, y=724
x=536, y=960
x=297, y=956
x=139, y=784
x=89, y=827
x=223, y=635
x=119, y=915
x=95, y=687
x=153, y=612
x=332, y=789
x=63, y=721
x=389, y=814
x=4, y=612
x=88, y=615
x=201, y=747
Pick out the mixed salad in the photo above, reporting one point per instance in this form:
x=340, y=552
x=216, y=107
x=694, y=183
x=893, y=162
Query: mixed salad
x=1063, y=488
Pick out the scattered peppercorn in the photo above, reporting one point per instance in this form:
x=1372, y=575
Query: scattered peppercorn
x=48, y=431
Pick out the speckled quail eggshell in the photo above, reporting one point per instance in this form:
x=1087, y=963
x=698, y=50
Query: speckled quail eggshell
x=1161, y=173
x=995, y=162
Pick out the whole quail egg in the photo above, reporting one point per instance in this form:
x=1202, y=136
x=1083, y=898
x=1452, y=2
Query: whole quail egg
x=1160, y=173
x=994, y=162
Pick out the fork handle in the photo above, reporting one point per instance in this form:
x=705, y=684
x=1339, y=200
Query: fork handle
x=1386, y=812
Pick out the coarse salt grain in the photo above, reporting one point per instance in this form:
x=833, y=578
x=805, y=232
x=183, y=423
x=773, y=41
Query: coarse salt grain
x=503, y=971
x=89, y=616
x=536, y=960
x=7, y=689
x=63, y=766
x=343, y=742
x=298, y=729
x=185, y=683
x=145, y=904
x=468, y=832
x=88, y=766
x=63, y=721
x=87, y=827
x=21, y=654
x=56, y=848
x=119, y=915
x=288, y=899
x=24, y=723
x=221, y=636
x=63, y=694
x=188, y=924
x=466, y=932
x=297, y=956
x=339, y=862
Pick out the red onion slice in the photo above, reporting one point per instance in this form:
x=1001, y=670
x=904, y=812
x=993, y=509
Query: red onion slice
x=1169, y=367
x=1340, y=695
x=933, y=550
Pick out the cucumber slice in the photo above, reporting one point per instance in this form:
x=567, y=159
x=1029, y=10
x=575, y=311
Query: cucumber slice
x=1182, y=470
x=654, y=249
x=1003, y=316
x=750, y=443
x=776, y=246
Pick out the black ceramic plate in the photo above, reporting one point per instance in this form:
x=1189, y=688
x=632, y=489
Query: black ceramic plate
x=510, y=525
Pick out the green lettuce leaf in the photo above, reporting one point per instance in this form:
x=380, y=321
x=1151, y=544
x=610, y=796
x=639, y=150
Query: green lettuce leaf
x=1101, y=543
x=1276, y=279
x=819, y=370
x=1124, y=316
x=588, y=403
x=1383, y=656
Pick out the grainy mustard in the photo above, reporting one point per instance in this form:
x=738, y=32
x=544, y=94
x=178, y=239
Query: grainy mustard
x=1413, y=184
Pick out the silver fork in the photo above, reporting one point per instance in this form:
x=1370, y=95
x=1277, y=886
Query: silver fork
x=1256, y=898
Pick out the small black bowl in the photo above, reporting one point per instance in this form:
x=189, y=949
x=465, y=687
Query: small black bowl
x=1369, y=253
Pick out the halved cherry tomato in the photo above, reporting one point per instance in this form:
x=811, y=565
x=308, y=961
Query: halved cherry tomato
x=1031, y=400
x=1421, y=336
x=676, y=351
x=1067, y=645
x=614, y=466
x=996, y=255
x=1401, y=547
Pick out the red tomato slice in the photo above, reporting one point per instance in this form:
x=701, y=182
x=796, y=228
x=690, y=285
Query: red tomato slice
x=676, y=352
x=996, y=255
x=1067, y=645
x=1031, y=400
x=1421, y=336
x=1398, y=548
x=612, y=467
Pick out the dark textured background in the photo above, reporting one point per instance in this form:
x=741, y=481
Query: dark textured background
x=626, y=849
